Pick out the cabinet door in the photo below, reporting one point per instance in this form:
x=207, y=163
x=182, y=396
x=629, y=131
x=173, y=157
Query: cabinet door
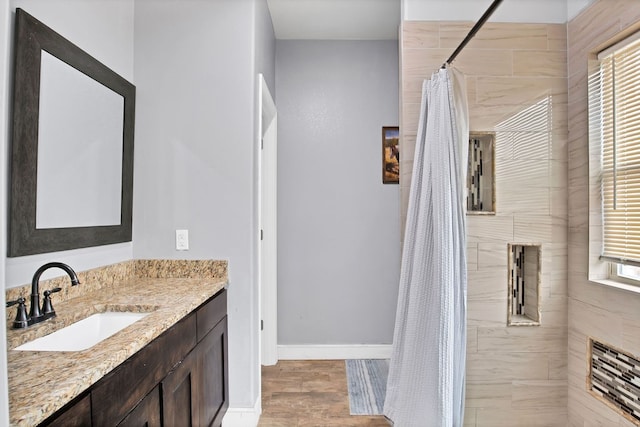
x=213, y=375
x=180, y=394
x=78, y=415
x=115, y=395
x=146, y=413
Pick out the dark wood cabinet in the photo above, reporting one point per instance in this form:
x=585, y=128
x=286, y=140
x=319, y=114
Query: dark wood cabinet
x=77, y=414
x=146, y=413
x=180, y=400
x=115, y=395
x=179, y=379
x=195, y=393
x=213, y=378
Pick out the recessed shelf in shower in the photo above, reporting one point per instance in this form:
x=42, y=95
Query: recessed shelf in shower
x=481, y=174
x=524, y=284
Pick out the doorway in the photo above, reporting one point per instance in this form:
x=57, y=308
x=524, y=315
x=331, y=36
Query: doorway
x=268, y=239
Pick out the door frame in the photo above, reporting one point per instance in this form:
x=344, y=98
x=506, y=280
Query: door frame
x=267, y=224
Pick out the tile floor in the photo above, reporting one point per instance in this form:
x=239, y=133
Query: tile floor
x=309, y=393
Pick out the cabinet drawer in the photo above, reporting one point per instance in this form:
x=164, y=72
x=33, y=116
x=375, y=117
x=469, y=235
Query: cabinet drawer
x=121, y=390
x=211, y=312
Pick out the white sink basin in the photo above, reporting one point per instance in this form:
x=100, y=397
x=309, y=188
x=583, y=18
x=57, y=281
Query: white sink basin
x=85, y=333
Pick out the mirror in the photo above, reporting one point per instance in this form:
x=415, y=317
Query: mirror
x=95, y=145
x=72, y=146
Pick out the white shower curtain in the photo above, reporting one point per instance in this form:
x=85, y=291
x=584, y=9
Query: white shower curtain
x=426, y=383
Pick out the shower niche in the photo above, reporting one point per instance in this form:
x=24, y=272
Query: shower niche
x=524, y=284
x=481, y=174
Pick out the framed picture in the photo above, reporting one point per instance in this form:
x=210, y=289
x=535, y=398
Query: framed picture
x=390, y=155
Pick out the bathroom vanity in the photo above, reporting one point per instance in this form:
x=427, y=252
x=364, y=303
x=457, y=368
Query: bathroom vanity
x=168, y=368
x=179, y=378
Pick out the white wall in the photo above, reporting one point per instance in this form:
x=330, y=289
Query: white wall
x=104, y=29
x=338, y=225
x=195, y=152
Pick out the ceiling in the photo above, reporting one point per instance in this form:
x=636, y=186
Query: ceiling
x=335, y=19
x=380, y=19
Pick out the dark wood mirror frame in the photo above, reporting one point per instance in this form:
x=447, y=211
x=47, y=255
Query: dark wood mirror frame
x=31, y=37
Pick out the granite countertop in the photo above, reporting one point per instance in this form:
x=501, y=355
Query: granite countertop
x=40, y=383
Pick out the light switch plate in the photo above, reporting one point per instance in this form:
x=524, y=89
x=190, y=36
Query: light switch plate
x=182, y=240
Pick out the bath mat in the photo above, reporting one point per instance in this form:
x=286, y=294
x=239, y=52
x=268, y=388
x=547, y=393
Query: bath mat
x=367, y=382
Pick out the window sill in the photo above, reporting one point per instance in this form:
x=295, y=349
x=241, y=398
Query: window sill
x=617, y=285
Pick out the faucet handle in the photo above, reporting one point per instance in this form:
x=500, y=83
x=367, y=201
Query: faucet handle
x=20, y=300
x=47, y=308
x=51, y=291
x=22, y=320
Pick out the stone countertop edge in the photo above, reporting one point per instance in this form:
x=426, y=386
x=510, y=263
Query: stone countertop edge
x=40, y=383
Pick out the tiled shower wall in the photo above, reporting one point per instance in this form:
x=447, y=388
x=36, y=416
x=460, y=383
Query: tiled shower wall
x=517, y=87
x=606, y=314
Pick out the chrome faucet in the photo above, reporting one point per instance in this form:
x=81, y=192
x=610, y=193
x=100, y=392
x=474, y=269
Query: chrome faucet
x=36, y=315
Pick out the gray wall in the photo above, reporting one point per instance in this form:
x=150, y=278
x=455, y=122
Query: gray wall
x=195, y=68
x=338, y=225
x=265, y=45
x=104, y=29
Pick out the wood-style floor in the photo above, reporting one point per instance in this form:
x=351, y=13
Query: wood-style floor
x=309, y=393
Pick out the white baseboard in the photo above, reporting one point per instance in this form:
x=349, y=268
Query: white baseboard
x=243, y=417
x=333, y=352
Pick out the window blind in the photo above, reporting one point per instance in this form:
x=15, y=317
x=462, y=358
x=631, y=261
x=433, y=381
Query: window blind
x=619, y=105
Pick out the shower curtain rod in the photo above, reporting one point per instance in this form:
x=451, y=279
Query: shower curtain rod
x=473, y=31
